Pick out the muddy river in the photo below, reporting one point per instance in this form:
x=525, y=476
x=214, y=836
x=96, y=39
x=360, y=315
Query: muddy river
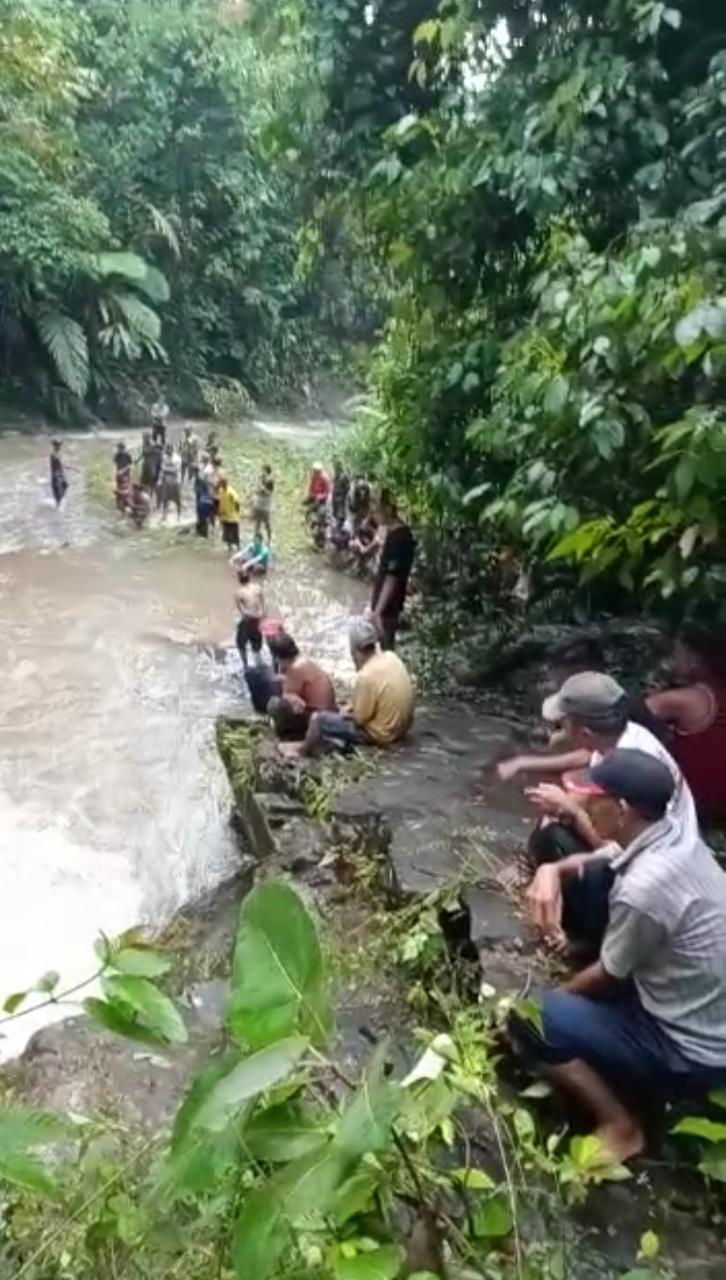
x=113, y=804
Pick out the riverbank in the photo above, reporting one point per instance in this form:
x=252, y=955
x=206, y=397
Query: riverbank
x=399, y=864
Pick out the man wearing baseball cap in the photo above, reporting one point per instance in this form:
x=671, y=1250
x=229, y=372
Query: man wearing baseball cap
x=593, y=709
x=648, y=1017
x=383, y=699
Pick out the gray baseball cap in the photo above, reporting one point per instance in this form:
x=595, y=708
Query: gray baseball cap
x=589, y=694
x=362, y=634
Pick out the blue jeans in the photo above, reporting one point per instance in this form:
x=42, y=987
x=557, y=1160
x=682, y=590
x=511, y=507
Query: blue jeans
x=339, y=730
x=617, y=1038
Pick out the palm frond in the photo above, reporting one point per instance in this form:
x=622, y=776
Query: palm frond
x=66, y=343
x=141, y=319
x=154, y=285
x=165, y=226
x=117, y=263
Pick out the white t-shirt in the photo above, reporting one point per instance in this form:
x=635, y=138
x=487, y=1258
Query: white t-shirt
x=635, y=737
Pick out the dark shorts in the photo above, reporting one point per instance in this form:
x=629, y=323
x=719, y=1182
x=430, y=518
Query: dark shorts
x=340, y=730
x=617, y=1038
x=230, y=533
x=248, y=633
x=586, y=898
x=263, y=685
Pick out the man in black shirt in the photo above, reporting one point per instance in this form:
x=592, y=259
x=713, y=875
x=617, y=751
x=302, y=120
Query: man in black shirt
x=395, y=562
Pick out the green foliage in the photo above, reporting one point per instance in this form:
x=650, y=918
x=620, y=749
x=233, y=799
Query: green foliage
x=151, y=158
x=278, y=1163
x=550, y=386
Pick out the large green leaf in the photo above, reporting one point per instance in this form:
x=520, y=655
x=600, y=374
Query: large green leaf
x=140, y=318
x=383, y=1263
x=713, y=1162
x=261, y=1236
x=65, y=340
x=285, y=1132
x=23, y=1171
x=23, y=1127
x=701, y=1127
x=141, y=962
x=148, y=1007
x=278, y=980
x=128, y=265
x=249, y=1078
x=366, y=1124
x=155, y=285
x=262, y=1231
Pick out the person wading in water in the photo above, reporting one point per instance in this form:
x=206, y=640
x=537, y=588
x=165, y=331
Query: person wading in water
x=58, y=481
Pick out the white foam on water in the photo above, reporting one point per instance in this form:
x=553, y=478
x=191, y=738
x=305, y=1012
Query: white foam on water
x=57, y=895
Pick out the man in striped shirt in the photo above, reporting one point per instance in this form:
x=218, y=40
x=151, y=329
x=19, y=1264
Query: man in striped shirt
x=648, y=1017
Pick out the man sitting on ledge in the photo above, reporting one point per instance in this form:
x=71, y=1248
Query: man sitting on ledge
x=383, y=700
x=649, y=1016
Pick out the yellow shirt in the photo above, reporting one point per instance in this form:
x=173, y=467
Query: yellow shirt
x=228, y=506
x=383, y=699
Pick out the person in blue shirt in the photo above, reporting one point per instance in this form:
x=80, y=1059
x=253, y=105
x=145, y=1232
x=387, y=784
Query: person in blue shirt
x=255, y=557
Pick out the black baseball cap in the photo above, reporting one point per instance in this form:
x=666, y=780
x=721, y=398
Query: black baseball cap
x=641, y=780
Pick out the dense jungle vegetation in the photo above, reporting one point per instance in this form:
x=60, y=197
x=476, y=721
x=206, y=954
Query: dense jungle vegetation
x=519, y=205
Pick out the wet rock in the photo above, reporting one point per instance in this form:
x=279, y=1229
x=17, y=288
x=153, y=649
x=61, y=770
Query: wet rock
x=278, y=809
x=493, y=921
x=301, y=844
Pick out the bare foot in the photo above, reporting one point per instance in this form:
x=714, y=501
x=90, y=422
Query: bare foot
x=621, y=1140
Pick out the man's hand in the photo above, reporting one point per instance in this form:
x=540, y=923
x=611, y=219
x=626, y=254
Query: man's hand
x=507, y=770
x=552, y=800
x=544, y=899
x=295, y=703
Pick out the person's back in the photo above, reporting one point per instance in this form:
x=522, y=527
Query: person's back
x=308, y=681
x=636, y=737
x=383, y=700
x=669, y=900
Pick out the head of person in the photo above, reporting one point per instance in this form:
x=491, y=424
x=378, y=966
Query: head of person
x=168, y=450
x=363, y=641
x=283, y=649
x=187, y=431
x=592, y=709
x=317, y=469
x=243, y=577
x=222, y=483
x=699, y=654
x=387, y=507
x=337, y=468
x=205, y=459
x=56, y=444
x=573, y=655
x=267, y=469
x=627, y=792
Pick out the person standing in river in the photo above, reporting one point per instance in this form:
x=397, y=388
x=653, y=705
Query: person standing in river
x=395, y=562
x=159, y=419
x=58, y=481
x=189, y=455
x=228, y=509
x=170, y=483
x=262, y=503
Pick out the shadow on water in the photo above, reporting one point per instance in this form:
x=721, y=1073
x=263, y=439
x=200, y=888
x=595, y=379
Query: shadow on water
x=113, y=804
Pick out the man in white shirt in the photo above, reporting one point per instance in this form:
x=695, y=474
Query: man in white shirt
x=592, y=708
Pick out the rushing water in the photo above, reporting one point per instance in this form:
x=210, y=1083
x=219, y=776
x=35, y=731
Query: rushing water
x=113, y=804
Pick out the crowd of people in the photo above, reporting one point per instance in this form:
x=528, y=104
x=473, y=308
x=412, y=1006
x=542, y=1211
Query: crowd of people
x=291, y=688
x=619, y=876
x=622, y=882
